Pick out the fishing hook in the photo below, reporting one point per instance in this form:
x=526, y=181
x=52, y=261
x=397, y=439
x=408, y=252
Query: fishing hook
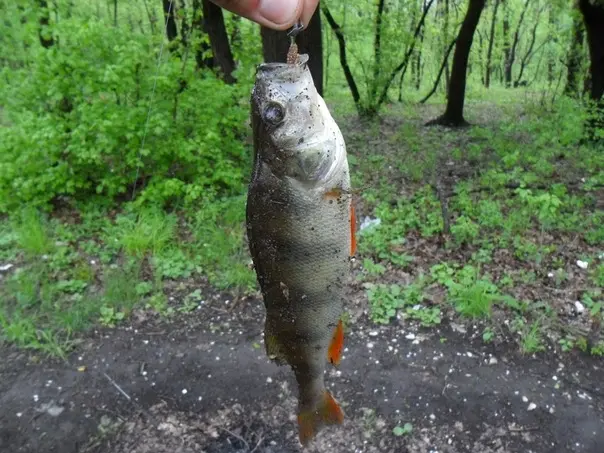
x=295, y=30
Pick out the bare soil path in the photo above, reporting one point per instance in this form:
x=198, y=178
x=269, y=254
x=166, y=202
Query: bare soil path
x=202, y=383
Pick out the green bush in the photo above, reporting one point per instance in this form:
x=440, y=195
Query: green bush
x=76, y=115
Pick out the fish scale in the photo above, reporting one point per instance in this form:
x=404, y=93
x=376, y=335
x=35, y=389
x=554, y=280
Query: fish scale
x=299, y=229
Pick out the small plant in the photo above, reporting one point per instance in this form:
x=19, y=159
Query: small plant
x=428, y=316
x=597, y=275
x=404, y=430
x=143, y=288
x=567, y=343
x=32, y=233
x=150, y=233
x=465, y=230
x=598, y=349
x=372, y=268
x=472, y=295
x=110, y=316
x=531, y=339
x=384, y=300
x=488, y=335
x=173, y=263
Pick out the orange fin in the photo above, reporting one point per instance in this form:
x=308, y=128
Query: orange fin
x=333, y=194
x=353, y=228
x=334, y=353
x=328, y=412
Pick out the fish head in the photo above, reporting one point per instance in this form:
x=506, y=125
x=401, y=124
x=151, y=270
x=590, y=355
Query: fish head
x=294, y=131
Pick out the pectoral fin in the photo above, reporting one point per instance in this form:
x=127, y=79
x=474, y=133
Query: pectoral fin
x=353, y=229
x=334, y=353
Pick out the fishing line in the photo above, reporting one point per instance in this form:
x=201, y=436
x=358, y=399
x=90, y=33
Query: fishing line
x=161, y=51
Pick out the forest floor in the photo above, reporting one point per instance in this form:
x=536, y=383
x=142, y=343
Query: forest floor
x=483, y=339
x=201, y=383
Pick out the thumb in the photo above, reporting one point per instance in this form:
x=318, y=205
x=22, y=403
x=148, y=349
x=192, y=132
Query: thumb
x=275, y=14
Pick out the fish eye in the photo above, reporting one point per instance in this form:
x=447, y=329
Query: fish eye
x=274, y=113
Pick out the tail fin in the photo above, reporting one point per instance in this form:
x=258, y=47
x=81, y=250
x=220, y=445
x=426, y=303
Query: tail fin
x=327, y=412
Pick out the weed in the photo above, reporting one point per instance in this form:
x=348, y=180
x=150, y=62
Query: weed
x=372, y=268
x=384, y=300
x=110, y=317
x=531, y=338
x=598, y=349
x=472, y=295
x=488, y=334
x=404, y=430
x=32, y=233
x=173, y=263
x=465, y=230
x=151, y=232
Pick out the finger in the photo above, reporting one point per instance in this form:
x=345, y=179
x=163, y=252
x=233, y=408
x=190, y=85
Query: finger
x=309, y=9
x=275, y=14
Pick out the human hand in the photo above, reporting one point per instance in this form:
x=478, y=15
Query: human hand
x=275, y=14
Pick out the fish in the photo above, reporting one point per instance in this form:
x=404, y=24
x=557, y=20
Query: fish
x=300, y=225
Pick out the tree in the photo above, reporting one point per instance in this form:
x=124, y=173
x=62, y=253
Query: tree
x=593, y=16
x=354, y=90
x=574, y=57
x=511, y=51
x=453, y=115
x=203, y=54
x=219, y=40
x=487, y=76
x=170, y=21
x=275, y=45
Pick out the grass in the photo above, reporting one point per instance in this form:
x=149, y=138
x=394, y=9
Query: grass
x=70, y=274
x=521, y=197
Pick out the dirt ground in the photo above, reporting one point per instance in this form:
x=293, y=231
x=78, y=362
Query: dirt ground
x=202, y=383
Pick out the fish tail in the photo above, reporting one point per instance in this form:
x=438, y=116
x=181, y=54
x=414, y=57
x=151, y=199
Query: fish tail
x=326, y=412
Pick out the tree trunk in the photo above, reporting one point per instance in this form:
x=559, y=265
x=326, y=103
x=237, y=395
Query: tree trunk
x=170, y=21
x=405, y=63
x=377, y=49
x=512, y=54
x=574, y=56
x=553, y=38
x=184, y=25
x=440, y=73
x=487, y=77
x=593, y=16
x=310, y=41
x=507, y=75
x=524, y=61
x=203, y=54
x=275, y=45
x=219, y=40
x=447, y=51
x=453, y=115
x=343, y=59
x=418, y=61
x=44, y=34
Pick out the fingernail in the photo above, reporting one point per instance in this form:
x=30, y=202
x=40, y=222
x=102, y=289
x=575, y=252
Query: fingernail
x=279, y=11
